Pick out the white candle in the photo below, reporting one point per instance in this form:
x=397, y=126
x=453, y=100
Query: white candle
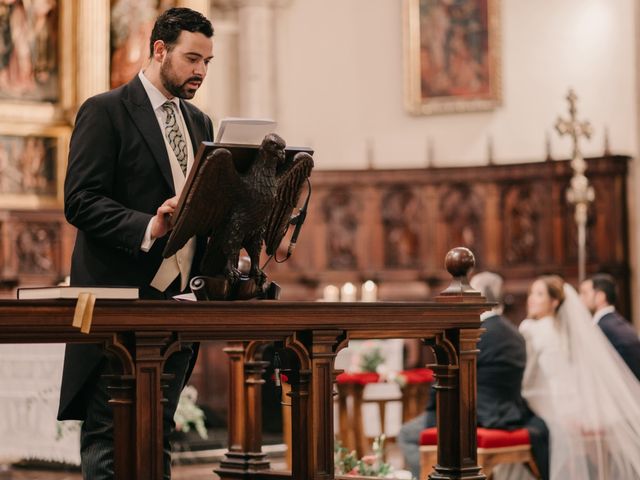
x=331, y=293
x=369, y=291
x=348, y=292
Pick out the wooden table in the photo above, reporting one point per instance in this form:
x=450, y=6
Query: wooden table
x=142, y=334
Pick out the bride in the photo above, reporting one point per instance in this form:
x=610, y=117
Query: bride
x=576, y=381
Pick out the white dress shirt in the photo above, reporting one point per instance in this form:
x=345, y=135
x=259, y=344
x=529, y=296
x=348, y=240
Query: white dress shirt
x=602, y=312
x=180, y=263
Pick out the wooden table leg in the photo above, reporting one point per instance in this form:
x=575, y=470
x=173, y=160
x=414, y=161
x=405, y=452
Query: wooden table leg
x=456, y=405
x=301, y=430
x=245, y=456
x=121, y=390
x=323, y=351
x=150, y=350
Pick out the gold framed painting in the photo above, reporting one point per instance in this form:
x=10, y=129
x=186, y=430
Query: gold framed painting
x=32, y=165
x=36, y=60
x=452, y=55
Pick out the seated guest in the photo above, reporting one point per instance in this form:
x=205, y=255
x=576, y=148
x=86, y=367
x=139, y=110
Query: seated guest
x=500, y=366
x=579, y=385
x=598, y=293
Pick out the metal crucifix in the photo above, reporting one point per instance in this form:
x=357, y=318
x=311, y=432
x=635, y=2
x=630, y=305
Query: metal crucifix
x=579, y=193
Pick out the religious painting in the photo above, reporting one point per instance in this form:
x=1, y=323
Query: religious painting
x=452, y=55
x=32, y=166
x=131, y=25
x=29, y=50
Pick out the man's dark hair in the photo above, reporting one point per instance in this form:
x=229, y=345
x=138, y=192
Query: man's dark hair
x=172, y=22
x=605, y=283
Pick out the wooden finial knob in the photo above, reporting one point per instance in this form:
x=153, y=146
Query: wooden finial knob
x=459, y=261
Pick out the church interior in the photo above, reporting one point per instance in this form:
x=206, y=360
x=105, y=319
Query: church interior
x=434, y=124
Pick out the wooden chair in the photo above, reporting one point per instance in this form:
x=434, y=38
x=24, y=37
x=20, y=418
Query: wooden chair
x=495, y=447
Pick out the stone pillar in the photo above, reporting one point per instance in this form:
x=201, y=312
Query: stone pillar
x=256, y=58
x=93, y=48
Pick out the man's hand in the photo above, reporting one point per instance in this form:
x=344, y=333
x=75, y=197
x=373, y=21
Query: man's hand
x=162, y=220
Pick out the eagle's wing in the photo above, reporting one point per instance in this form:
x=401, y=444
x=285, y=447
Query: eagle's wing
x=208, y=201
x=290, y=184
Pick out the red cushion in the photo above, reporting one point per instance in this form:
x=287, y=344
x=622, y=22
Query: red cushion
x=360, y=378
x=487, y=437
x=418, y=375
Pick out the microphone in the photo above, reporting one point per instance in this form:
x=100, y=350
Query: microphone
x=298, y=220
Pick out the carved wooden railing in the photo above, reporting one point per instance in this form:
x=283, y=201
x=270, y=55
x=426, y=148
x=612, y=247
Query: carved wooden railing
x=143, y=334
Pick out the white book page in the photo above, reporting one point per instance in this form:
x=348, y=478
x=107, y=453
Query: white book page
x=244, y=131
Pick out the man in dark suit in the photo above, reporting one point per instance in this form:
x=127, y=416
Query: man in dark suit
x=500, y=365
x=130, y=152
x=598, y=293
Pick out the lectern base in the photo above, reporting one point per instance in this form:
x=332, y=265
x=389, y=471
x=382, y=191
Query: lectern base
x=220, y=288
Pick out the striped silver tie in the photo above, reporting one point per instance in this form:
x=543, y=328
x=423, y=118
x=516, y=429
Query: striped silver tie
x=174, y=135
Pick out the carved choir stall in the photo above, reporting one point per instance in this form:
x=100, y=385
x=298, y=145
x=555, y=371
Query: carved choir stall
x=394, y=226
x=141, y=335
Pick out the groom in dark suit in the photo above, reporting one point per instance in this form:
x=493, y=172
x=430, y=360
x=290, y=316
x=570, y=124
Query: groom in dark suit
x=599, y=295
x=500, y=365
x=130, y=152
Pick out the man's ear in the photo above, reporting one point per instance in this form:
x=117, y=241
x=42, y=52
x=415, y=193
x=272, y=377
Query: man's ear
x=600, y=298
x=159, y=50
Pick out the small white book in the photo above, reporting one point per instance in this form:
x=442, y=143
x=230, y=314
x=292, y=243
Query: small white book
x=114, y=293
x=244, y=131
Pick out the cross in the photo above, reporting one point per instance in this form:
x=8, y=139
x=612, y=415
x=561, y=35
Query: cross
x=573, y=127
x=579, y=193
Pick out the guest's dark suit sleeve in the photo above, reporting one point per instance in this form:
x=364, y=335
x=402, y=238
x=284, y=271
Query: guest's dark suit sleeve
x=91, y=182
x=624, y=339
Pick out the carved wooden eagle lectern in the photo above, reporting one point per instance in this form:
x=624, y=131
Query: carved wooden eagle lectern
x=238, y=205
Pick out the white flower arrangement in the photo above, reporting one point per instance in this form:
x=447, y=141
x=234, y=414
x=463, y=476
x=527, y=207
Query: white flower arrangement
x=347, y=464
x=188, y=414
x=367, y=357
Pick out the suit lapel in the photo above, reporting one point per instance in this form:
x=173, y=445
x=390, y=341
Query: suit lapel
x=145, y=119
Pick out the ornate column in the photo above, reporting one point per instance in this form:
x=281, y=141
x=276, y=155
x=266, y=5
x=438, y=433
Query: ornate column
x=245, y=454
x=121, y=391
x=151, y=350
x=257, y=57
x=93, y=48
x=312, y=402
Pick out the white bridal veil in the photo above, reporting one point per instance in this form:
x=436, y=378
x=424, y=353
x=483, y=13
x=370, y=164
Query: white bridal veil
x=595, y=428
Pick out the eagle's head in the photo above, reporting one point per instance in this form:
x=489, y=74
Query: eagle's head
x=272, y=150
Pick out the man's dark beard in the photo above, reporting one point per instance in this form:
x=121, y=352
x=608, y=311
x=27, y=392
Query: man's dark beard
x=176, y=89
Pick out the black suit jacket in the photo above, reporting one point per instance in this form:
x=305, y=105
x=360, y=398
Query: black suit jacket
x=500, y=367
x=118, y=175
x=624, y=339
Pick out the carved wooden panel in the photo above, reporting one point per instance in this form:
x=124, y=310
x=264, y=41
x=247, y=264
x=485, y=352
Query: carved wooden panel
x=342, y=216
x=521, y=206
x=35, y=249
x=395, y=226
x=399, y=213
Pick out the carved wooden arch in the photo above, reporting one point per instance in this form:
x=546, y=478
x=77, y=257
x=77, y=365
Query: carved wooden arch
x=116, y=348
x=294, y=344
x=443, y=350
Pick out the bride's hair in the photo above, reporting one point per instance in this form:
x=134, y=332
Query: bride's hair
x=555, y=287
